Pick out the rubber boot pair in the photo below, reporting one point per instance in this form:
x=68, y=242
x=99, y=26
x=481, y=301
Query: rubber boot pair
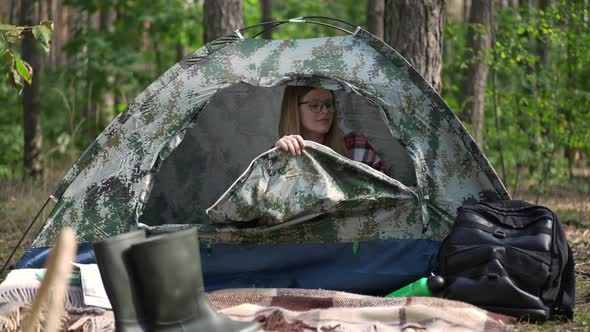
x=156, y=284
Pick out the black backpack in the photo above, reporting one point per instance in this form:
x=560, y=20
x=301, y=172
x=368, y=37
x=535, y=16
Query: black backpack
x=509, y=257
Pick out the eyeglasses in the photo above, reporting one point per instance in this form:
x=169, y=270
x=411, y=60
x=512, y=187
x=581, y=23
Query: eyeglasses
x=316, y=106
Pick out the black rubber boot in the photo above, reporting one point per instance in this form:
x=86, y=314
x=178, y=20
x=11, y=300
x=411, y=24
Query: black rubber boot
x=111, y=256
x=167, y=271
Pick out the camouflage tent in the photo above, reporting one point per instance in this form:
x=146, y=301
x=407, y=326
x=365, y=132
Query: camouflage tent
x=191, y=150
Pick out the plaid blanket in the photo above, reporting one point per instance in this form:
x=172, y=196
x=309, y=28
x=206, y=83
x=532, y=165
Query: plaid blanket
x=288, y=310
x=322, y=310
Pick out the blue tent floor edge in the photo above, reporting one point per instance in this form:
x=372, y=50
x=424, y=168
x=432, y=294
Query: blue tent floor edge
x=373, y=267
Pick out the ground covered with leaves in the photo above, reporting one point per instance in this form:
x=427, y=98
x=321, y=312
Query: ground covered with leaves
x=570, y=199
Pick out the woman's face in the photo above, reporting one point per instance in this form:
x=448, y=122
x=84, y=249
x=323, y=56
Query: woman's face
x=316, y=111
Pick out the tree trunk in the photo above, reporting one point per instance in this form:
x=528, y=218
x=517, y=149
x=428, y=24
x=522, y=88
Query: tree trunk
x=158, y=56
x=266, y=17
x=375, y=12
x=415, y=30
x=91, y=96
x=105, y=111
x=542, y=50
x=466, y=8
x=59, y=35
x=43, y=13
x=571, y=61
x=474, y=82
x=39, y=5
x=11, y=12
x=221, y=17
x=180, y=51
x=105, y=19
x=51, y=15
x=5, y=11
x=146, y=44
x=50, y=10
x=33, y=156
x=585, y=14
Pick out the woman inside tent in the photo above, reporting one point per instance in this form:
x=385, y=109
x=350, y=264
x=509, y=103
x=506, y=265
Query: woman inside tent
x=309, y=114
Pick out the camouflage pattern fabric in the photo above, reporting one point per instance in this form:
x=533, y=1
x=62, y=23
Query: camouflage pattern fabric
x=106, y=190
x=318, y=197
x=180, y=194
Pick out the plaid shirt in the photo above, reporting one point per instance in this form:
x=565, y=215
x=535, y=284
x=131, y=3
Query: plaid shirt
x=359, y=149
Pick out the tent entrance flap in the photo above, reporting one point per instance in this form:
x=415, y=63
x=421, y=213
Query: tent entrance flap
x=238, y=124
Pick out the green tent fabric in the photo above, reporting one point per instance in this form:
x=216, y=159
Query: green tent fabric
x=318, y=197
x=183, y=141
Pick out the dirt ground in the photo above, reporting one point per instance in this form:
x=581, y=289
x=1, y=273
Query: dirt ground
x=20, y=201
x=571, y=201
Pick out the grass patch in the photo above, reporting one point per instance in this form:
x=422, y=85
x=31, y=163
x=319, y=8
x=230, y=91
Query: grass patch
x=584, y=318
x=21, y=200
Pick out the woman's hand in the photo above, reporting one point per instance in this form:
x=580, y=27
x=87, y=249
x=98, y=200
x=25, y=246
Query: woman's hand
x=291, y=143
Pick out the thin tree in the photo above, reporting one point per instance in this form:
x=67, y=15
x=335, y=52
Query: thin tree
x=107, y=109
x=415, y=30
x=51, y=15
x=266, y=17
x=91, y=130
x=33, y=135
x=221, y=17
x=572, y=8
x=466, y=6
x=12, y=11
x=180, y=51
x=5, y=11
x=375, y=13
x=61, y=32
x=474, y=81
x=542, y=41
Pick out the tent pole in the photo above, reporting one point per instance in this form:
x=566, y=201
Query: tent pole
x=303, y=19
x=23, y=237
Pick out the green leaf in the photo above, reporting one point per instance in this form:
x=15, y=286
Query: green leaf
x=11, y=39
x=16, y=80
x=120, y=108
x=6, y=59
x=22, y=70
x=7, y=26
x=43, y=34
x=13, y=35
x=47, y=24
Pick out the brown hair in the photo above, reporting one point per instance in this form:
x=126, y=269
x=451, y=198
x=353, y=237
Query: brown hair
x=290, y=125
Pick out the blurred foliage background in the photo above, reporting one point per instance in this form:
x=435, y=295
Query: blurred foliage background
x=104, y=53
